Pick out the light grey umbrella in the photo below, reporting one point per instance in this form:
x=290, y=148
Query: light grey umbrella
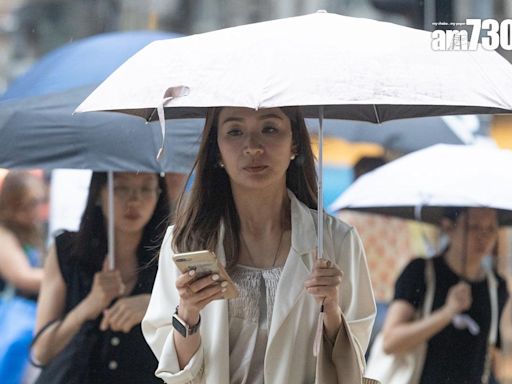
x=420, y=185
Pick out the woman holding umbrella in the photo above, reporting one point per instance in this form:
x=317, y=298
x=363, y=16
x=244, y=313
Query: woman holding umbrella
x=253, y=202
x=88, y=322
x=457, y=328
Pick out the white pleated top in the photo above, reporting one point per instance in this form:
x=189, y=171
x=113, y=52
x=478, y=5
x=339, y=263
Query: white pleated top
x=250, y=316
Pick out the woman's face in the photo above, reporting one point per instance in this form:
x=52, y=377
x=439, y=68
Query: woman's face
x=28, y=213
x=135, y=198
x=255, y=146
x=482, y=231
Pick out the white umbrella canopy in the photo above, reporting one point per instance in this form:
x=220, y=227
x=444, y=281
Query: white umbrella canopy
x=333, y=66
x=358, y=69
x=434, y=178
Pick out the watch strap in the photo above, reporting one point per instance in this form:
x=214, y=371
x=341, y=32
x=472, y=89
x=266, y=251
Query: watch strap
x=182, y=326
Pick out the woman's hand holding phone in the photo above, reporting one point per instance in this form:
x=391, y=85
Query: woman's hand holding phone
x=195, y=293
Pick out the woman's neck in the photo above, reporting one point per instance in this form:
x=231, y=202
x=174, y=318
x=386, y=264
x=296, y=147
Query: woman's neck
x=127, y=245
x=469, y=267
x=262, y=211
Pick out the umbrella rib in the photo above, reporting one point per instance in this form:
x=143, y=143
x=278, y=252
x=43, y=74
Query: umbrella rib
x=376, y=113
x=152, y=115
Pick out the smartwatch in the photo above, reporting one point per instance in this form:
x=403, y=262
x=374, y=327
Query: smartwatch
x=182, y=327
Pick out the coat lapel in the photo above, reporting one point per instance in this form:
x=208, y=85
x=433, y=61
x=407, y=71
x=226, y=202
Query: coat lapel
x=298, y=265
x=216, y=340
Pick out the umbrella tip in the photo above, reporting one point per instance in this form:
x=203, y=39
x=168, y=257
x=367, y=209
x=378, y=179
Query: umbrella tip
x=321, y=11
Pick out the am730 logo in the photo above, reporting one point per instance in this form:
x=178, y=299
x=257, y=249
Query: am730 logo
x=490, y=33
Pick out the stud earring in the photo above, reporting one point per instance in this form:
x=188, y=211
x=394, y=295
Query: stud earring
x=221, y=164
x=292, y=157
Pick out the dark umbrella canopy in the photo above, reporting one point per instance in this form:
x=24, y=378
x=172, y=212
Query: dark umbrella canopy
x=42, y=132
x=38, y=128
x=408, y=135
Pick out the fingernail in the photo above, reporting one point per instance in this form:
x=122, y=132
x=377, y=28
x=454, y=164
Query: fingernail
x=191, y=272
x=224, y=284
x=215, y=277
x=224, y=290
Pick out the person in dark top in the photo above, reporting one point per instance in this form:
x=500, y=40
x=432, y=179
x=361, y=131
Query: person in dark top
x=456, y=352
x=88, y=319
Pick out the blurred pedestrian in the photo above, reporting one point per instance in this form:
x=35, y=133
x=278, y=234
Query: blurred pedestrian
x=88, y=320
x=389, y=243
x=21, y=250
x=457, y=329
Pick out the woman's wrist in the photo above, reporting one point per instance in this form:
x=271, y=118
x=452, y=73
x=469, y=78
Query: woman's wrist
x=191, y=317
x=448, y=312
x=332, y=320
x=87, y=309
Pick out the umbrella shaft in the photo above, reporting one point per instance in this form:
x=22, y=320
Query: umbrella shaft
x=320, y=253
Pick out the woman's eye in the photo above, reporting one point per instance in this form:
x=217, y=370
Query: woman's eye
x=270, y=129
x=121, y=188
x=234, y=132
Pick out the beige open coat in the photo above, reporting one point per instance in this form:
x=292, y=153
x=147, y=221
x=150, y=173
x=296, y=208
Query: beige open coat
x=289, y=357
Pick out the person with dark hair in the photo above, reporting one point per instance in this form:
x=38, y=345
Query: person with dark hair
x=88, y=319
x=21, y=250
x=253, y=203
x=367, y=164
x=458, y=326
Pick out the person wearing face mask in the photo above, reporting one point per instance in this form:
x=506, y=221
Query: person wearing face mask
x=88, y=320
x=458, y=326
x=21, y=250
x=253, y=203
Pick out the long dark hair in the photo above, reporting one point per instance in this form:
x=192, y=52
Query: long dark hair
x=210, y=200
x=91, y=242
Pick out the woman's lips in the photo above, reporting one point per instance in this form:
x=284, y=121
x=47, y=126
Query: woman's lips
x=256, y=168
x=132, y=216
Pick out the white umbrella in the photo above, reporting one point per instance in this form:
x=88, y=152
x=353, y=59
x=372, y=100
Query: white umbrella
x=433, y=178
x=359, y=69
x=334, y=66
